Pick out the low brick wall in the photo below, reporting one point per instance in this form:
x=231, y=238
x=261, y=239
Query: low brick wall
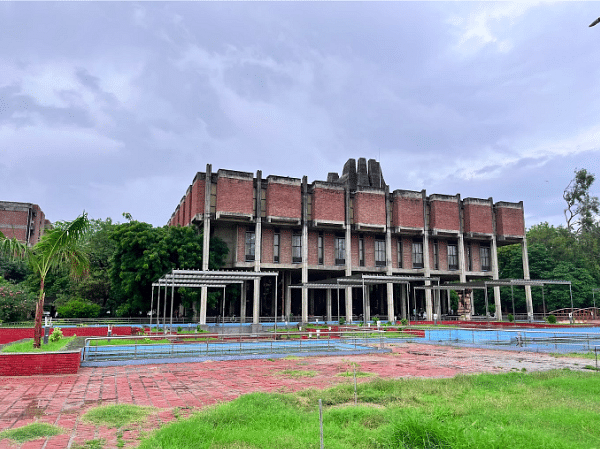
x=28, y=364
x=10, y=334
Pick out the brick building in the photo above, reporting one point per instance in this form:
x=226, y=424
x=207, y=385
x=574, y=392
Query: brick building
x=25, y=221
x=347, y=225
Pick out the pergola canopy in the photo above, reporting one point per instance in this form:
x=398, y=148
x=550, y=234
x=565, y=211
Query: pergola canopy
x=197, y=278
x=358, y=280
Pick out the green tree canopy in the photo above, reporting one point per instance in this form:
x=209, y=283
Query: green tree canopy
x=143, y=254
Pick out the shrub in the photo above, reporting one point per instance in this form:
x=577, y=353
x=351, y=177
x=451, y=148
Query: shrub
x=342, y=320
x=55, y=335
x=78, y=308
x=16, y=304
x=511, y=318
x=551, y=319
x=404, y=321
x=179, y=329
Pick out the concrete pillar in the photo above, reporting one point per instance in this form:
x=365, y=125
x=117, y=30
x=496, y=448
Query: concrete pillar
x=304, y=247
x=348, y=304
x=257, y=248
x=403, y=298
x=390, y=301
x=243, y=303
x=426, y=262
x=388, y=255
x=495, y=276
x=206, y=241
x=367, y=303
x=528, y=299
x=288, y=294
x=256, y=302
x=348, y=225
x=328, y=305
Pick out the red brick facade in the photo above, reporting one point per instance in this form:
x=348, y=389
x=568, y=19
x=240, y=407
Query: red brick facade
x=477, y=217
x=284, y=200
x=444, y=213
x=23, y=221
x=369, y=209
x=235, y=196
x=328, y=205
x=407, y=210
x=510, y=220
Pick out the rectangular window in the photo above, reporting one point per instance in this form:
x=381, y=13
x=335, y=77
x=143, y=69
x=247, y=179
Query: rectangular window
x=320, y=248
x=380, y=253
x=400, y=258
x=485, y=257
x=436, y=255
x=417, y=254
x=296, y=248
x=276, y=246
x=452, y=256
x=340, y=250
x=250, y=245
x=361, y=252
x=469, y=258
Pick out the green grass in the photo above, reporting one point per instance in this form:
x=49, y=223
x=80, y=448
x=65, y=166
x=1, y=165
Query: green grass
x=297, y=373
x=556, y=409
x=124, y=341
x=117, y=416
x=90, y=444
x=31, y=431
x=576, y=355
x=27, y=346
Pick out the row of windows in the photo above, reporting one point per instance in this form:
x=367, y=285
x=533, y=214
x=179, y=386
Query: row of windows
x=380, y=253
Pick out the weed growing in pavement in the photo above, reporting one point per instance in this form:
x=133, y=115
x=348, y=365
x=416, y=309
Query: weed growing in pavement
x=118, y=415
x=31, y=431
x=90, y=444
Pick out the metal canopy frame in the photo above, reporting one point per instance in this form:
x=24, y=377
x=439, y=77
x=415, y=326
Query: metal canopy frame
x=203, y=278
x=484, y=284
x=362, y=280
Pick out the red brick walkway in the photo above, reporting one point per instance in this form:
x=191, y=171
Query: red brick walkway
x=179, y=389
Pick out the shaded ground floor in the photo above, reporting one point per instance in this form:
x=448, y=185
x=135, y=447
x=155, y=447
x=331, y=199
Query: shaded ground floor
x=178, y=389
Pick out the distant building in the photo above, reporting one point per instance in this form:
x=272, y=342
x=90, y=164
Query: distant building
x=347, y=225
x=25, y=221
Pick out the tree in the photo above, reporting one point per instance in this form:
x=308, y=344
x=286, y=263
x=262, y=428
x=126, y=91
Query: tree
x=582, y=208
x=143, y=254
x=58, y=247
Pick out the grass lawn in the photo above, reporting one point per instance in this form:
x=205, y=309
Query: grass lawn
x=27, y=346
x=556, y=409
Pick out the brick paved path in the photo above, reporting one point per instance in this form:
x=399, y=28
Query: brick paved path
x=179, y=389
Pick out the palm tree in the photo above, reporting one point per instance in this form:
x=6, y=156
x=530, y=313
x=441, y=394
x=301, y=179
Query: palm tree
x=58, y=247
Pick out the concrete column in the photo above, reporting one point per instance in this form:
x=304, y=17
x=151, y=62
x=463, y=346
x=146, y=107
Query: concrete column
x=348, y=304
x=328, y=305
x=403, y=301
x=528, y=299
x=243, y=303
x=348, y=225
x=367, y=303
x=257, y=248
x=256, y=302
x=304, y=247
x=426, y=261
x=495, y=276
x=388, y=254
x=288, y=294
x=206, y=241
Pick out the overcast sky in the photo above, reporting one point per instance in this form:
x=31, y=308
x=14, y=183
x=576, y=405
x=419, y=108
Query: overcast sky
x=113, y=107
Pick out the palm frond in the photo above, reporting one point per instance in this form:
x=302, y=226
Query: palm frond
x=13, y=248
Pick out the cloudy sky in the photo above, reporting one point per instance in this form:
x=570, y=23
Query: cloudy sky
x=113, y=107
